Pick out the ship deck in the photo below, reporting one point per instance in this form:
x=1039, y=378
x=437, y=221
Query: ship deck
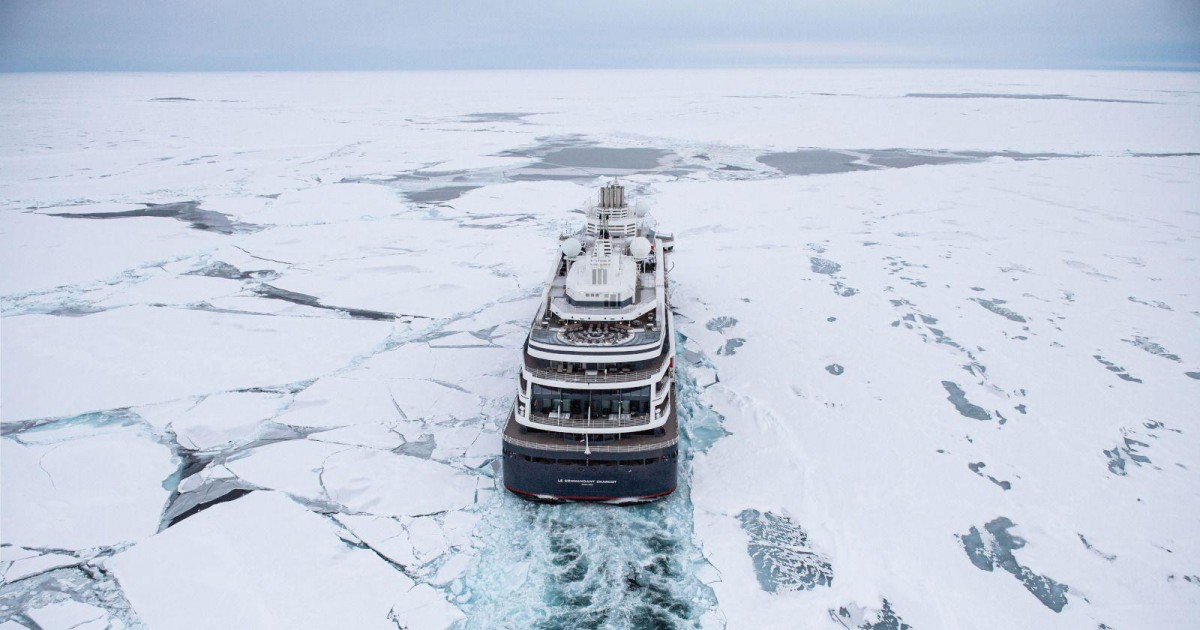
x=563, y=442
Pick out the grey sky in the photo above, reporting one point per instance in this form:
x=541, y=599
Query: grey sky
x=376, y=34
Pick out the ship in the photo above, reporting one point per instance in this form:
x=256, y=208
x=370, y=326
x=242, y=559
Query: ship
x=595, y=414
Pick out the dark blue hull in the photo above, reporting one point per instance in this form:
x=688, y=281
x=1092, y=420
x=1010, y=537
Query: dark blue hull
x=551, y=476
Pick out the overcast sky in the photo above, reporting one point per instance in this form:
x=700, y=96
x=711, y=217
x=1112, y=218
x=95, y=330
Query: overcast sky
x=382, y=35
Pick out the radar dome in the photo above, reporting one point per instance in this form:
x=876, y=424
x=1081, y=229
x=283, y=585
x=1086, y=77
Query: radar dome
x=641, y=208
x=639, y=248
x=572, y=247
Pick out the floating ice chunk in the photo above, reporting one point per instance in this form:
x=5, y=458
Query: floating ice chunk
x=92, y=491
x=453, y=442
x=293, y=467
x=458, y=526
x=260, y=561
x=378, y=482
x=387, y=536
x=427, y=538
x=70, y=614
x=452, y=569
x=42, y=252
x=435, y=399
x=704, y=375
x=374, y=435
x=485, y=447
x=224, y=418
x=424, y=607
x=322, y=204
x=337, y=401
x=459, y=340
x=446, y=383
x=167, y=289
x=141, y=355
x=38, y=564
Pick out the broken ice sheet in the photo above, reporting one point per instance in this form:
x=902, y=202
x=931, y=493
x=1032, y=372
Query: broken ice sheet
x=78, y=487
x=1145, y=343
x=854, y=617
x=261, y=561
x=996, y=307
x=994, y=547
x=142, y=355
x=783, y=559
x=383, y=483
x=1128, y=450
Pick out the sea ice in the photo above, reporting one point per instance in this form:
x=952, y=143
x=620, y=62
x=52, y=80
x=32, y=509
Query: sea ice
x=263, y=561
x=71, y=491
x=296, y=365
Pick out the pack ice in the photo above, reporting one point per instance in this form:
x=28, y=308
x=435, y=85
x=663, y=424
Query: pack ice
x=938, y=355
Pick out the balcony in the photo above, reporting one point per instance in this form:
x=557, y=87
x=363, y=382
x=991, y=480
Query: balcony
x=611, y=375
x=611, y=421
x=563, y=442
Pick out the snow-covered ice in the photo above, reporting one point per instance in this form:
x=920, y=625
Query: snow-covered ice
x=261, y=561
x=84, y=485
x=937, y=348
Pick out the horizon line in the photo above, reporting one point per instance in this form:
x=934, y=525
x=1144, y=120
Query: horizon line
x=1132, y=67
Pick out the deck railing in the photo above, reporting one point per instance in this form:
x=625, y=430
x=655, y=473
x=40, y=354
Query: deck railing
x=579, y=447
x=598, y=377
x=626, y=420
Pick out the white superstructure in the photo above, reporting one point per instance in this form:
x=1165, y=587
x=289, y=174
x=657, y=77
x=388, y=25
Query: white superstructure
x=599, y=358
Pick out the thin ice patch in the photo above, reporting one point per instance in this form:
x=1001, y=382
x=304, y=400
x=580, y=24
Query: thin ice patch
x=996, y=307
x=977, y=468
x=958, y=398
x=1153, y=348
x=994, y=547
x=731, y=346
x=219, y=269
x=835, y=369
x=187, y=211
x=718, y=324
x=303, y=299
x=853, y=617
x=1153, y=303
x=422, y=447
x=1092, y=548
x=1052, y=97
x=813, y=162
x=628, y=158
x=1116, y=369
x=438, y=195
x=783, y=560
x=1122, y=454
x=841, y=289
x=824, y=266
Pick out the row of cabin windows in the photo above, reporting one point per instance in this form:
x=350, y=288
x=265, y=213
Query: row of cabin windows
x=595, y=462
x=600, y=402
x=632, y=366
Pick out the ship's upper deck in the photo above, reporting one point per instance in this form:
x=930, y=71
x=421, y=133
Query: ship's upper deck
x=606, y=299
